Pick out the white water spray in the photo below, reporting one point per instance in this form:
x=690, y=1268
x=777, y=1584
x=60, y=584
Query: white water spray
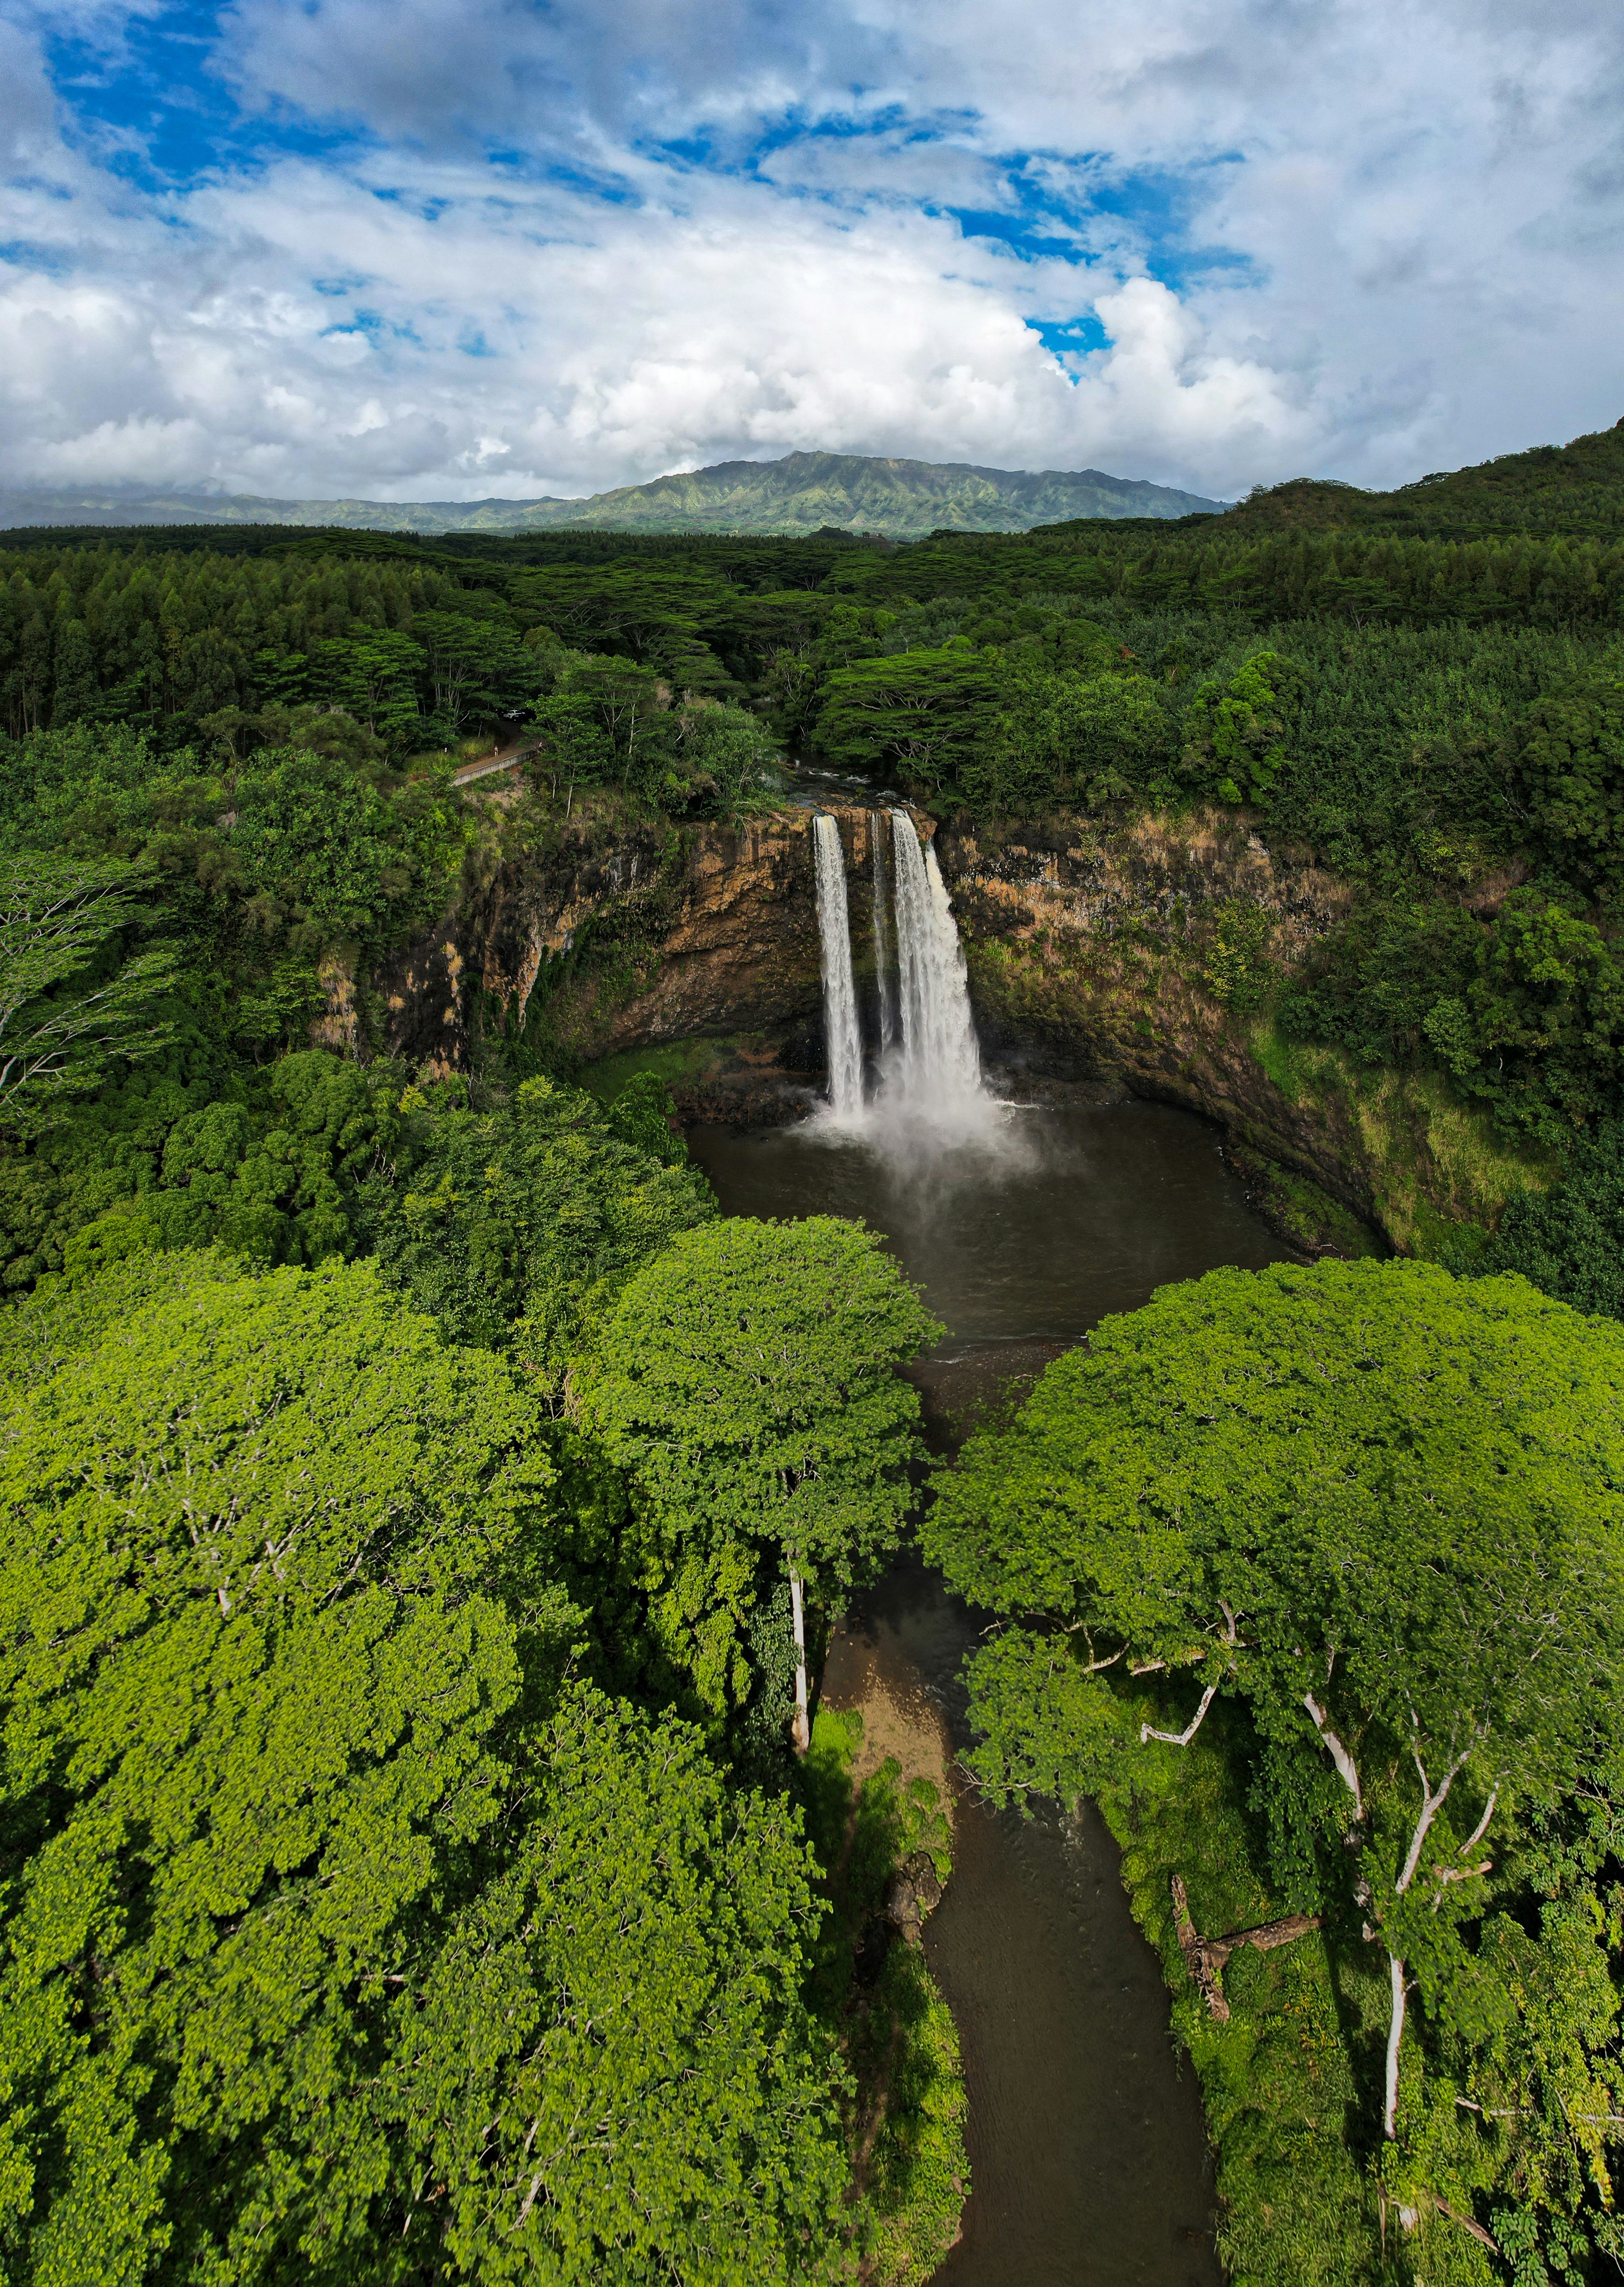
x=842, y=1036
x=935, y=1076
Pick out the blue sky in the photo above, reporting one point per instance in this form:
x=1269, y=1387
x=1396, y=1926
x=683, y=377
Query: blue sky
x=417, y=248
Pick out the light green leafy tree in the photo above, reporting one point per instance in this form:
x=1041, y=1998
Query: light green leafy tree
x=60, y=1020
x=728, y=762
x=1234, y=732
x=612, y=2070
x=263, y=1592
x=1382, y=1508
x=343, y=1937
x=522, y=1226
x=747, y=1381
x=575, y=749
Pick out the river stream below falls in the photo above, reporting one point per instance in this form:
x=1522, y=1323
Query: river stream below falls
x=1088, y=2152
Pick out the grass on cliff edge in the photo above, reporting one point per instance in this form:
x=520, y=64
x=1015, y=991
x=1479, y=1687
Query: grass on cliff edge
x=1433, y=1161
x=908, y=2130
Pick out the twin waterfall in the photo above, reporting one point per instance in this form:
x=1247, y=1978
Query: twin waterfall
x=841, y=1026
x=929, y=1065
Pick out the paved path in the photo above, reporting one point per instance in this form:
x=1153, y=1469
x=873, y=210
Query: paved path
x=486, y=763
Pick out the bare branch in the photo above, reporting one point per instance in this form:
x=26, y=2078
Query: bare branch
x=1430, y=1805
x=1458, y=1874
x=1205, y=1956
x=1182, y=1738
x=1347, y=1769
x=1095, y=1666
x=1466, y=2224
x=1481, y=1828
x=1395, y=2036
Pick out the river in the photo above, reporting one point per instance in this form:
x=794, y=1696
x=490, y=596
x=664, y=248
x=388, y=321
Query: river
x=1088, y=2150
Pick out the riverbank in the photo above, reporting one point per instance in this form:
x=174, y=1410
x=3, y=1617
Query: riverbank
x=879, y=1810
x=1088, y=2156
x=1290, y=2080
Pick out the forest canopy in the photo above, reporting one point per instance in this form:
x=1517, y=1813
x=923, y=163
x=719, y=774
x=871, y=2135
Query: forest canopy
x=424, y=1516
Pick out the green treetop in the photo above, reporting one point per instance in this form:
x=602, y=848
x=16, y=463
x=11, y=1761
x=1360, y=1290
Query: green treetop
x=747, y=1381
x=1384, y=1509
x=343, y=1937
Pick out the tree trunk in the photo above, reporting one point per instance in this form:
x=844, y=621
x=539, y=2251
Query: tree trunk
x=1395, y=2034
x=802, y=1732
x=1205, y=1956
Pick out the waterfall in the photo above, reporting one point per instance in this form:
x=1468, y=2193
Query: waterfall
x=936, y=1075
x=885, y=958
x=930, y=1088
x=842, y=1037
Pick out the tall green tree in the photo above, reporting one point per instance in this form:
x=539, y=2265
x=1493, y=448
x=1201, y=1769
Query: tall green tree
x=522, y=1226
x=1384, y=1509
x=747, y=1380
x=611, y=2070
x=921, y=712
x=343, y=1936
x=70, y=998
x=269, y=1558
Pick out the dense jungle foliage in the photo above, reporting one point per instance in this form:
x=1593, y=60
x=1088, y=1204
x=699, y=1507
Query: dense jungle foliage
x=1364, y=1522
x=418, y=1506
x=1436, y=714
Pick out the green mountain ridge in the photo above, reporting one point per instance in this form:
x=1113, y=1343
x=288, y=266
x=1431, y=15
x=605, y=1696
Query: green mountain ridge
x=802, y=493
x=1578, y=486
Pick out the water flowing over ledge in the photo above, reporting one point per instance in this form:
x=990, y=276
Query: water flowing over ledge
x=928, y=1089
x=842, y=1031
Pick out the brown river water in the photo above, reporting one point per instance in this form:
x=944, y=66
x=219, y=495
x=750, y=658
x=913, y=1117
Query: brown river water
x=1088, y=2150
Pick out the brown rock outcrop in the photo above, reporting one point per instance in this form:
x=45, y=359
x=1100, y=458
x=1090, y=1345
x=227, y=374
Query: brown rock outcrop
x=709, y=930
x=1144, y=952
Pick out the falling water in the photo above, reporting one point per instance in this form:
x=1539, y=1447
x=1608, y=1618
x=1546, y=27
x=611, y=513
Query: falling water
x=843, y=1039
x=885, y=957
x=936, y=1074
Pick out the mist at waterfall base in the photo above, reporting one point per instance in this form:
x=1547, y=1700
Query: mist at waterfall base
x=927, y=1104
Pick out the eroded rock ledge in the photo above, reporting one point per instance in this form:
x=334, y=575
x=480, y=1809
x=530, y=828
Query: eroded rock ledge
x=1137, y=953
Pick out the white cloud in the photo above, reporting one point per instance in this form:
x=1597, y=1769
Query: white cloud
x=1419, y=208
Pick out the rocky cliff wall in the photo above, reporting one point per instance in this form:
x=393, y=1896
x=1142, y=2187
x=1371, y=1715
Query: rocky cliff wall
x=617, y=937
x=1141, y=953
x=1148, y=952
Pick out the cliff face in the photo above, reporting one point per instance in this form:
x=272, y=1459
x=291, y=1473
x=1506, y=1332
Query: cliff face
x=607, y=945
x=1147, y=952
x=1141, y=954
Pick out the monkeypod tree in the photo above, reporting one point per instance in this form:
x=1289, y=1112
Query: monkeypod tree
x=747, y=1381
x=1384, y=1509
x=345, y=1936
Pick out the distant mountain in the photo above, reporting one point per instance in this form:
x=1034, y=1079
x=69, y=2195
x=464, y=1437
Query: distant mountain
x=804, y=492
x=1573, y=487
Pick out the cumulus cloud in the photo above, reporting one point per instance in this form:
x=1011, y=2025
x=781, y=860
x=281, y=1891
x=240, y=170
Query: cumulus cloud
x=485, y=247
